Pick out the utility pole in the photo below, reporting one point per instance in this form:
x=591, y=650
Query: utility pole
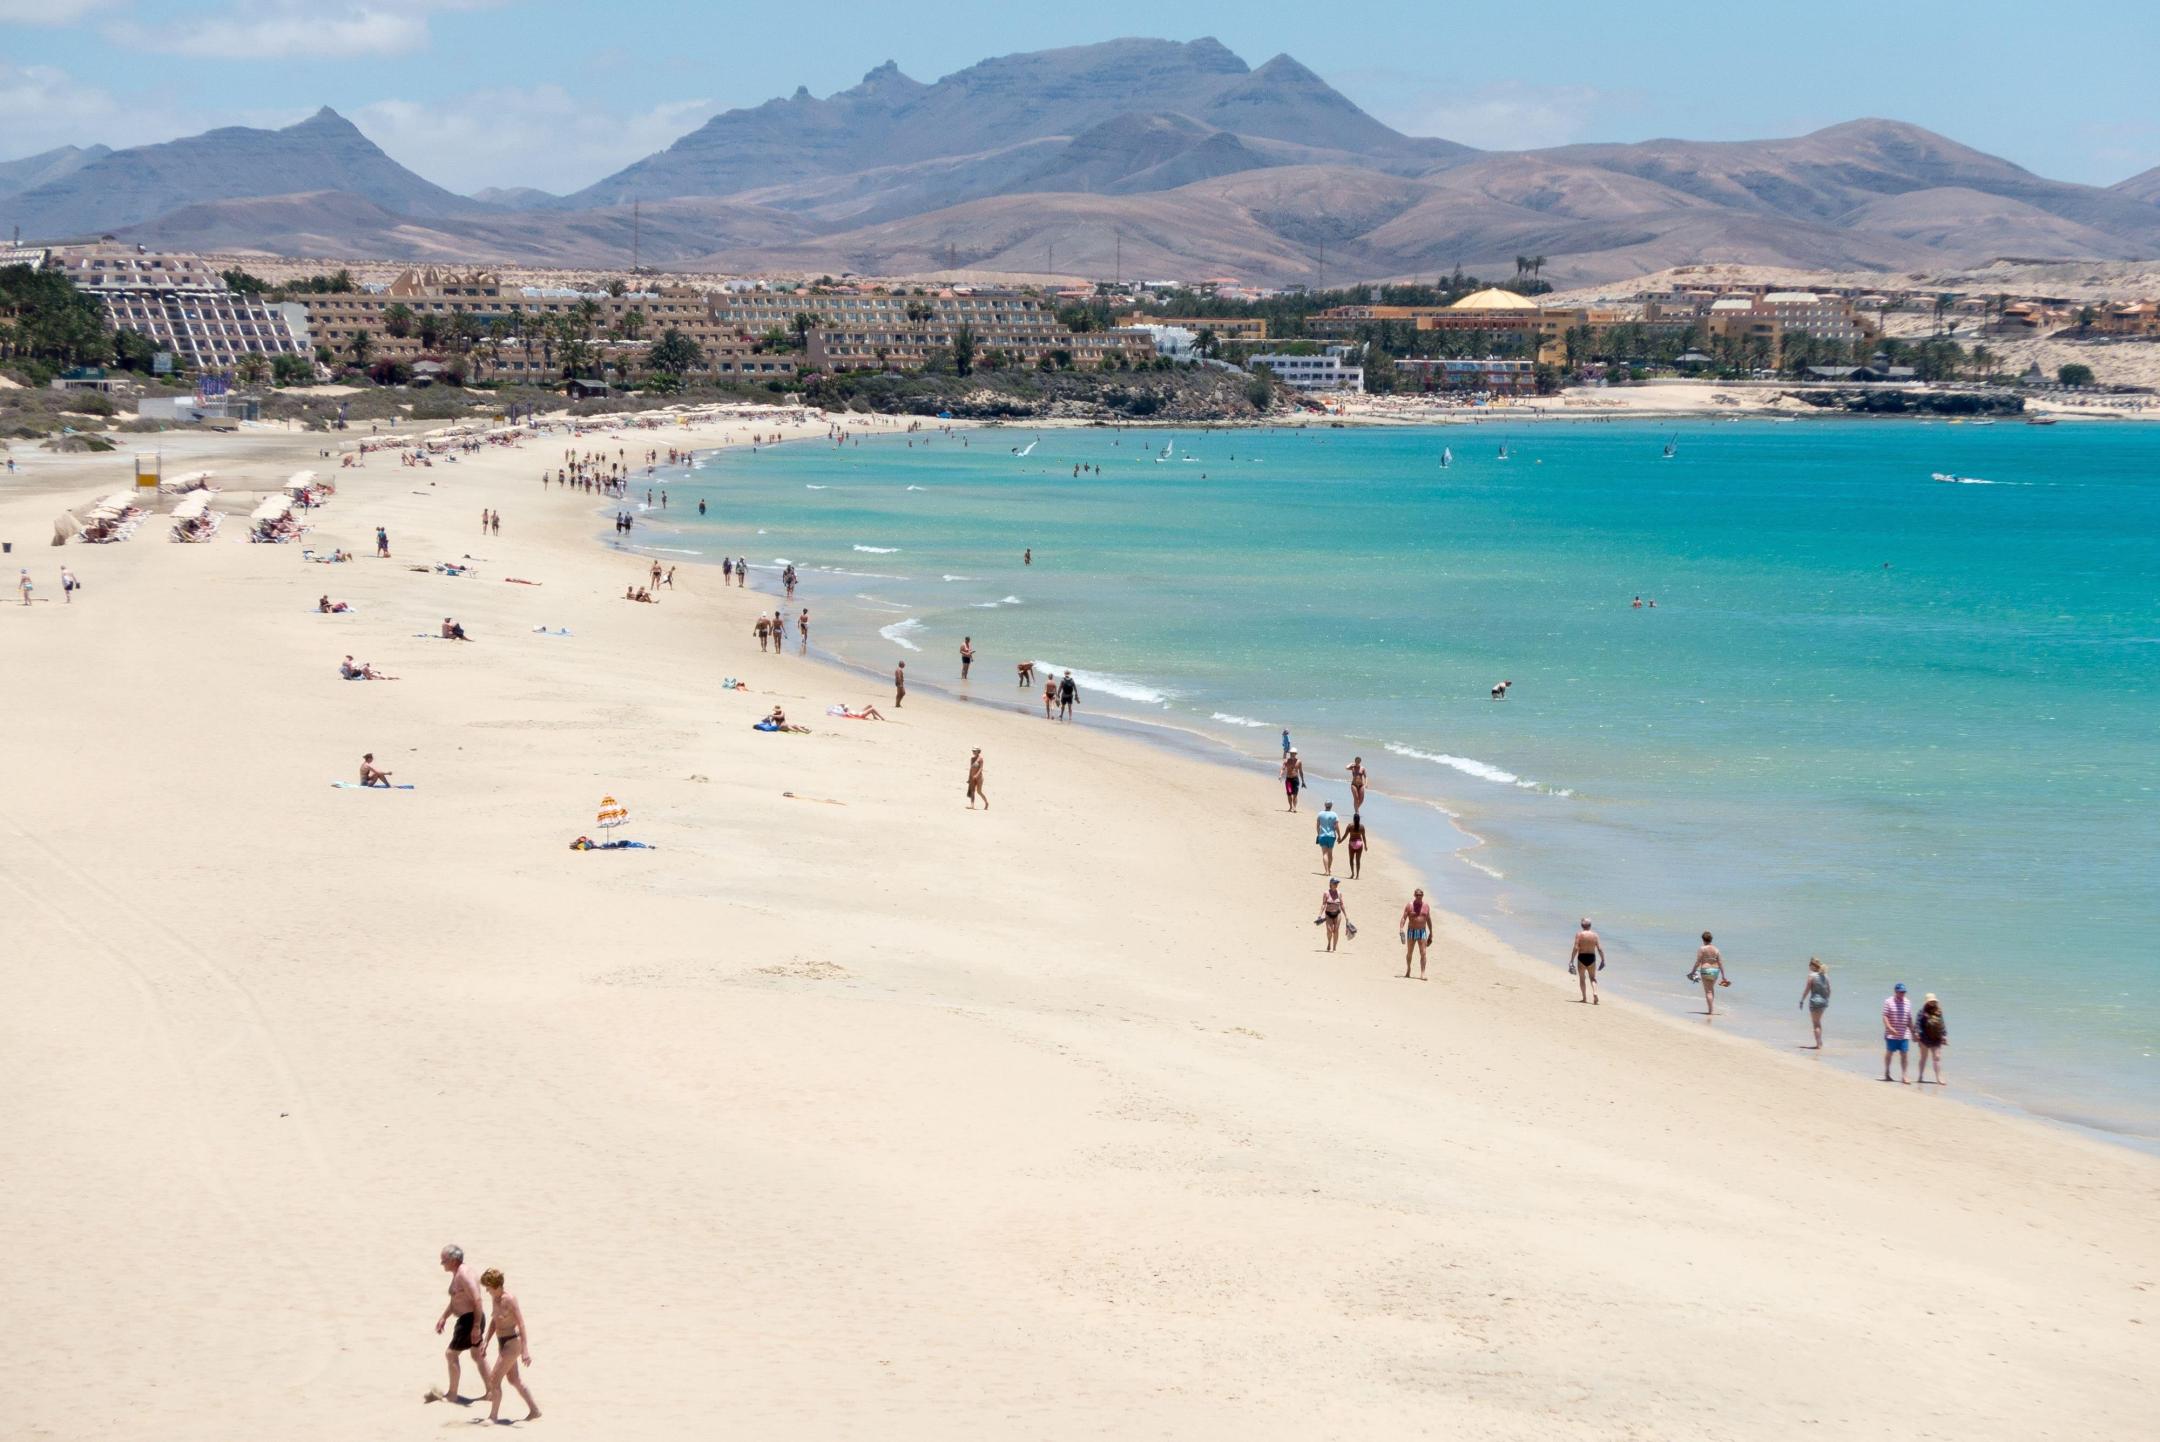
x=1118, y=272
x=634, y=237
x=1050, y=263
x=1320, y=269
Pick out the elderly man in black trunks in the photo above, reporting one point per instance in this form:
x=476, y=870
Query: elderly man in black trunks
x=464, y=1305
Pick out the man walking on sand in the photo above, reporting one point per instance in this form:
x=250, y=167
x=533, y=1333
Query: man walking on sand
x=1586, y=959
x=382, y=542
x=1416, y=931
x=899, y=685
x=1068, y=693
x=975, y=781
x=464, y=1305
x=1897, y=1034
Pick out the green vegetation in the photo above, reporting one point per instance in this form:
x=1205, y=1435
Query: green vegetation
x=2075, y=374
x=45, y=319
x=675, y=354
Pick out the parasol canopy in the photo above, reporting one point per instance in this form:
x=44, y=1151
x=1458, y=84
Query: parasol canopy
x=612, y=812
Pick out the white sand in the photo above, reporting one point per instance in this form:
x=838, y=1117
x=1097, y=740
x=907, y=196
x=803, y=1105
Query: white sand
x=881, y=1118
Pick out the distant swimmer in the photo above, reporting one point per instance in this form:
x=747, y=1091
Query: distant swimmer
x=1636, y=604
x=1499, y=692
x=1027, y=557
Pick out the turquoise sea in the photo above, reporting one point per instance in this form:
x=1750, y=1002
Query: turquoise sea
x=1905, y=725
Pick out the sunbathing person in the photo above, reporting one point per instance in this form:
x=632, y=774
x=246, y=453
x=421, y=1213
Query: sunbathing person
x=868, y=713
x=361, y=671
x=778, y=721
x=369, y=775
x=452, y=631
x=330, y=608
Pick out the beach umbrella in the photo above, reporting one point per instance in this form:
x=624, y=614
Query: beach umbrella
x=612, y=813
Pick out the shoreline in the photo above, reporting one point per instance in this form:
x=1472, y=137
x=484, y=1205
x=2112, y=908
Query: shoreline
x=1184, y=738
x=923, y=1120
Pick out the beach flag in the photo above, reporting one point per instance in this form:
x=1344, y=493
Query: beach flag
x=612, y=813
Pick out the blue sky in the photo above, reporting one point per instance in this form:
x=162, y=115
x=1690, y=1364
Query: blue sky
x=556, y=94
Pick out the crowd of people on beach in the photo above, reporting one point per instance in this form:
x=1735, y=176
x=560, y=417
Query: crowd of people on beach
x=1904, y=1030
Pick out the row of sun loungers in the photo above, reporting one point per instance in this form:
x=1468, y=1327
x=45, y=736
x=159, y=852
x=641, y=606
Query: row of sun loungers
x=193, y=520
x=113, y=519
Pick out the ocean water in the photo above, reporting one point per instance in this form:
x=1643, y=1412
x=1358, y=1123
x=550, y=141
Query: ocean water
x=1905, y=725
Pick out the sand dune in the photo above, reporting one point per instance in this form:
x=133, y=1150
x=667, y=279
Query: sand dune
x=852, y=1113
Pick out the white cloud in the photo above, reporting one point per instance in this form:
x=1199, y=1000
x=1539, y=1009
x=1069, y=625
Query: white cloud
x=42, y=108
x=266, y=29
x=1507, y=114
x=544, y=136
x=50, y=12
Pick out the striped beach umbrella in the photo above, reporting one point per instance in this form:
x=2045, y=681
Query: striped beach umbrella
x=612, y=813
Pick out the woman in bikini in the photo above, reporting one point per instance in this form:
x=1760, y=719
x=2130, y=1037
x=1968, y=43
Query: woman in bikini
x=1710, y=971
x=1332, y=911
x=1050, y=698
x=1815, y=995
x=1356, y=768
x=513, y=1345
x=1354, y=838
x=1416, y=933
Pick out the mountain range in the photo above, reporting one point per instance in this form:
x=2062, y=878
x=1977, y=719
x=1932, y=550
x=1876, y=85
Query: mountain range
x=1156, y=158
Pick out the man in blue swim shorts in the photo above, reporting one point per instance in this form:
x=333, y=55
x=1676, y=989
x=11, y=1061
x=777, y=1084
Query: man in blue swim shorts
x=1897, y=1034
x=1416, y=928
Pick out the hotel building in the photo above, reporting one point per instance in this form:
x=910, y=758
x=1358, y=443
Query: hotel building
x=181, y=305
x=902, y=332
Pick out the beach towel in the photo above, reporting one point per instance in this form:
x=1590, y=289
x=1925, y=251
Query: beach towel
x=544, y=631
x=356, y=786
x=584, y=843
x=763, y=726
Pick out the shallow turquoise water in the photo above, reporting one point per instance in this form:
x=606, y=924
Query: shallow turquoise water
x=1905, y=725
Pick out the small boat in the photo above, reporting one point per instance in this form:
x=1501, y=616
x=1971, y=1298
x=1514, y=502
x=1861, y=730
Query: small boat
x=1168, y=448
x=1447, y=458
x=1031, y=445
x=2040, y=420
x=1983, y=422
x=1503, y=450
x=1670, y=447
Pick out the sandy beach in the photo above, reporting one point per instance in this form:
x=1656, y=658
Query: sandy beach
x=847, y=1111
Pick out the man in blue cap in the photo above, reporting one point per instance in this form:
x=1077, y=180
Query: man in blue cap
x=1897, y=1034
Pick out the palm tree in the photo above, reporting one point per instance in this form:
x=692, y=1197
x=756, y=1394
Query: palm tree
x=250, y=369
x=1522, y=263
x=806, y=321
x=398, y=319
x=588, y=314
x=362, y=346
x=633, y=321
x=461, y=331
x=1537, y=263
x=1983, y=361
